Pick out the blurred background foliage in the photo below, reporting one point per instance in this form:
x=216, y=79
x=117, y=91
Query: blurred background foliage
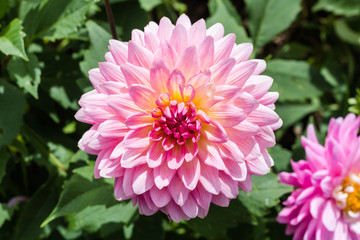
x=312, y=48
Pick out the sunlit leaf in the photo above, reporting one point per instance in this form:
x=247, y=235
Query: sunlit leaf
x=26, y=73
x=12, y=39
x=222, y=11
x=267, y=18
x=264, y=195
x=340, y=7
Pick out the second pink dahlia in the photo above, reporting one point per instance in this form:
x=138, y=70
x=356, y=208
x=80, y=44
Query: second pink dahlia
x=326, y=202
x=181, y=118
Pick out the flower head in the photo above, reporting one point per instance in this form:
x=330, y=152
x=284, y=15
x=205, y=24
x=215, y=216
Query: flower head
x=181, y=118
x=326, y=202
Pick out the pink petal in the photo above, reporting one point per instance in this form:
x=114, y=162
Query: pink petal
x=223, y=47
x=237, y=171
x=123, y=105
x=260, y=67
x=159, y=75
x=229, y=187
x=221, y=200
x=206, y=53
x=119, y=191
x=139, y=55
x=189, y=173
x=214, y=132
x=139, y=120
x=128, y=181
x=112, y=128
x=138, y=138
x=178, y=191
x=135, y=75
x=221, y=70
x=258, y=86
x=191, y=150
x=167, y=53
x=190, y=207
x=165, y=28
x=119, y=50
x=143, y=179
x=230, y=150
x=160, y=197
x=216, y=31
x=209, y=178
x=242, y=52
x=133, y=157
x=197, y=32
x=257, y=166
x=330, y=215
x=137, y=36
x=202, y=196
x=184, y=20
x=209, y=154
x=189, y=63
x=111, y=72
x=151, y=41
x=316, y=206
x=341, y=230
x=263, y=116
x=175, y=157
x=227, y=115
x=176, y=78
x=243, y=131
x=163, y=175
x=246, y=185
x=96, y=79
x=246, y=102
x=241, y=73
x=226, y=91
x=144, y=97
x=155, y=155
x=179, y=39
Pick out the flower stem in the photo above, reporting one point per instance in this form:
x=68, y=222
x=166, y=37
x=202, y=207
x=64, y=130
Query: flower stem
x=110, y=19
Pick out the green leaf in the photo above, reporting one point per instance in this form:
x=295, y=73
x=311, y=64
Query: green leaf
x=93, y=217
x=292, y=113
x=99, y=41
x=81, y=191
x=267, y=18
x=345, y=33
x=293, y=79
x=220, y=219
x=12, y=39
x=12, y=104
x=340, y=7
x=264, y=195
x=4, y=5
x=36, y=210
x=4, y=159
x=281, y=157
x=26, y=73
x=222, y=11
x=148, y=5
x=4, y=213
x=53, y=19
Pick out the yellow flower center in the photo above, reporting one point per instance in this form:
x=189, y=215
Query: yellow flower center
x=351, y=186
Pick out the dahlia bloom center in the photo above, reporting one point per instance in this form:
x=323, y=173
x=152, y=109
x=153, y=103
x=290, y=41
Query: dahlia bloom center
x=347, y=195
x=175, y=122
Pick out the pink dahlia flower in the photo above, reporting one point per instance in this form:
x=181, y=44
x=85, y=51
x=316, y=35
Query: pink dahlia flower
x=181, y=118
x=326, y=202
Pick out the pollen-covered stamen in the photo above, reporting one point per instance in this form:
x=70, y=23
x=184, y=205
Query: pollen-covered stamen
x=347, y=195
x=175, y=121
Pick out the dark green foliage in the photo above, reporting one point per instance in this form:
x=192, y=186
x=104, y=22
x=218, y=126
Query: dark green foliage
x=312, y=49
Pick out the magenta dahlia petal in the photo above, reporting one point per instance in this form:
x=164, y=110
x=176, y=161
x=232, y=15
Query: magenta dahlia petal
x=181, y=118
x=326, y=203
